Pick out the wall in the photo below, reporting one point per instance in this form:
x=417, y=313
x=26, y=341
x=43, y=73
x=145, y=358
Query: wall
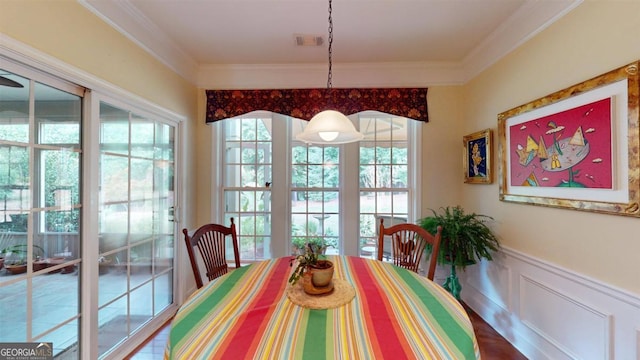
x=70, y=33
x=441, y=149
x=563, y=272
x=79, y=43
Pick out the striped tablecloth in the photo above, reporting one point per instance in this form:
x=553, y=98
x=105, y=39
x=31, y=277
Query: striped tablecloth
x=396, y=314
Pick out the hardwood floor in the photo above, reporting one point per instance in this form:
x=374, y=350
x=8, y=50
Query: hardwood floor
x=492, y=345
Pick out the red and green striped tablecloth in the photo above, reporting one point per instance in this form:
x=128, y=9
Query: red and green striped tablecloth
x=396, y=314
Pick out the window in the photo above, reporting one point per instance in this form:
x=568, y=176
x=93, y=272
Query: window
x=247, y=183
x=384, y=177
x=319, y=196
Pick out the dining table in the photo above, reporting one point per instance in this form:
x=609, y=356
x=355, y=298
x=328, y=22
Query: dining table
x=377, y=310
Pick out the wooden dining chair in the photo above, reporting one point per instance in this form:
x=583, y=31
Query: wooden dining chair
x=210, y=241
x=408, y=242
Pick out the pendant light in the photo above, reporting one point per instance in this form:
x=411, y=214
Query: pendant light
x=329, y=126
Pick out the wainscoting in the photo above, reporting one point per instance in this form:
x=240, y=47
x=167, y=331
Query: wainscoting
x=547, y=312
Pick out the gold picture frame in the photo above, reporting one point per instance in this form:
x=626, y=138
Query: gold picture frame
x=476, y=159
x=576, y=148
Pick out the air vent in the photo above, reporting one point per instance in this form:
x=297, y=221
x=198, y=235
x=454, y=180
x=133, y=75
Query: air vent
x=308, y=40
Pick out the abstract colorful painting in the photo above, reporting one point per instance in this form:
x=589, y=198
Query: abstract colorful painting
x=571, y=148
x=576, y=148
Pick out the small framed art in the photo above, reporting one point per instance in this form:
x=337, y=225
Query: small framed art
x=477, y=157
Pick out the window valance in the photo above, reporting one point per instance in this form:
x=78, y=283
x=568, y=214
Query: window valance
x=305, y=103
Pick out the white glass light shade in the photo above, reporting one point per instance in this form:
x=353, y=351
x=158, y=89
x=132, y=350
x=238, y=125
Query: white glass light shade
x=329, y=127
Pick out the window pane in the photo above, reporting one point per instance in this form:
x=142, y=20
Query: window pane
x=14, y=114
x=58, y=120
x=383, y=166
x=250, y=206
x=13, y=297
x=51, y=308
x=114, y=125
x=40, y=213
x=136, y=222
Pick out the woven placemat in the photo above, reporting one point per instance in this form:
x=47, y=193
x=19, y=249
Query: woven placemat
x=342, y=293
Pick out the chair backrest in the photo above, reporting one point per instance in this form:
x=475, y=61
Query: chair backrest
x=408, y=242
x=210, y=241
x=390, y=221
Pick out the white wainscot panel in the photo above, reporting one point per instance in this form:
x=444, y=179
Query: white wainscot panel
x=491, y=279
x=576, y=329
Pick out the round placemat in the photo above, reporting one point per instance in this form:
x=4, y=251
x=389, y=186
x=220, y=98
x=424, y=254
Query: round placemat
x=342, y=293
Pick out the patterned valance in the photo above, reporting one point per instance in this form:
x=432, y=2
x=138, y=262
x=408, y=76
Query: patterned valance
x=305, y=103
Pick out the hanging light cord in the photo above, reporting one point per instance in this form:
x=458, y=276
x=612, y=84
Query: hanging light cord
x=329, y=85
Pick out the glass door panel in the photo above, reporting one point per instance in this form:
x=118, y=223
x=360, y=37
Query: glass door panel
x=136, y=222
x=40, y=153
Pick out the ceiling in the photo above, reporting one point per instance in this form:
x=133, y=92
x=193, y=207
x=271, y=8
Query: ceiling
x=188, y=35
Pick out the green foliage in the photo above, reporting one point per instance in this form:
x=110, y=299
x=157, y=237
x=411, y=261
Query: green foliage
x=17, y=254
x=466, y=238
x=302, y=236
x=308, y=258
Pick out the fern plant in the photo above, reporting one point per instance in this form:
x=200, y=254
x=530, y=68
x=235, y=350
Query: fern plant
x=466, y=238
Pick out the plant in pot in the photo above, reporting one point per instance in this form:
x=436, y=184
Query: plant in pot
x=466, y=239
x=309, y=234
x=316, y=272
x=299, y=244
x=16, y=257
x=6, y=240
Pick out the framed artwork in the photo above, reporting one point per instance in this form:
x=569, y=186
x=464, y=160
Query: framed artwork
x=476, y=163
x=576, y=148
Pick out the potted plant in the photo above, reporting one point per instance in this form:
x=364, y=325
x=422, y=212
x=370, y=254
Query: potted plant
x=15, y=260
x=5, y=242
x=318, y=272
x=466, y=239
x=299, y=244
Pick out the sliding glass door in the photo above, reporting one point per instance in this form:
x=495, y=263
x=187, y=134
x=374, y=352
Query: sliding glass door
x=136, y=228
x=40, y=217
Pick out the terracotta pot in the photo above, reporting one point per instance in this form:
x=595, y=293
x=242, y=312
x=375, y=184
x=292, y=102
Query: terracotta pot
x=40, y=265
x=322, y=273
x=16, y=269
x=55, y=261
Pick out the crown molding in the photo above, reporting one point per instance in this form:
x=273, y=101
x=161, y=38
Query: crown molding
x=524, y=24
x=533, y=17
x=139, y=29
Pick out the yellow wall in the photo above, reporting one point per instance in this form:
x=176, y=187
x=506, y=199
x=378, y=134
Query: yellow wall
x=71, y=33
x=442, y=149
x=594, y=38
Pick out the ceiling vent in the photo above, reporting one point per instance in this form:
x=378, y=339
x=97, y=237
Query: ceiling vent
x=308, y=40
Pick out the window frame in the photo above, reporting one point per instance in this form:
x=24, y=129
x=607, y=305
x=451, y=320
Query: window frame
x=282, y=129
